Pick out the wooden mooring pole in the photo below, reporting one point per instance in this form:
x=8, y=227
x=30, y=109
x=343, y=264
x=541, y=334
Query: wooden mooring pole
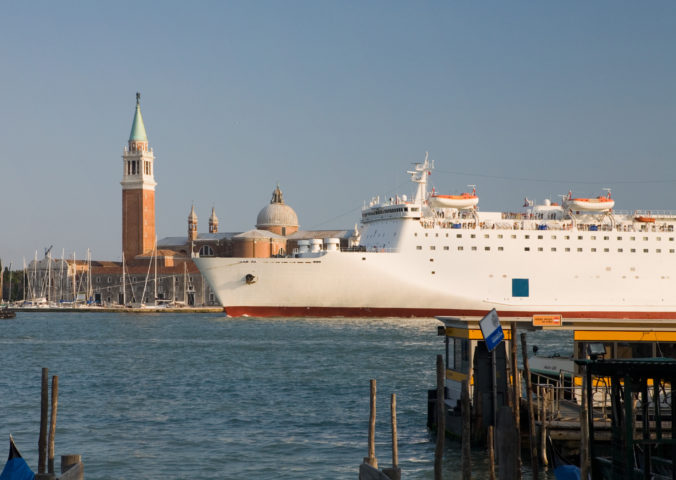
x=491, y=454
x=531, y=413
x=371, y=459
x=394, y=473
x=52, y=423
x=516, y=390
x=441, y=419
x=393, y=417
x=466, y=432
x=44, y=409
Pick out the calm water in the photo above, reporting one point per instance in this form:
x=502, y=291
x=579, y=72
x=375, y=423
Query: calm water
x=203, y=396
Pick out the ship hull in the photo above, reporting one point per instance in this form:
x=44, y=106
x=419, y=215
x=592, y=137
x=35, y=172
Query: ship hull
x=424, y=284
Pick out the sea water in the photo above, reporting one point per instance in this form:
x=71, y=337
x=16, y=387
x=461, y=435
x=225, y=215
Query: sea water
x=203, y=396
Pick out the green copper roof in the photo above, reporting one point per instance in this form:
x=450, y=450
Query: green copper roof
x=138, y=130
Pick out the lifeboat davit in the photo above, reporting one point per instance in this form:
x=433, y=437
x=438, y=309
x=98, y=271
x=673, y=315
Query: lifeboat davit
x=601, y=203
x=461, y=202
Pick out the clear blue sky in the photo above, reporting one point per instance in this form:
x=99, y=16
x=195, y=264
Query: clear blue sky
x=333, y=100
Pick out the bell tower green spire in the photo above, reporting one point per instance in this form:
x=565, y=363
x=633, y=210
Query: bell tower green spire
x=138, y=130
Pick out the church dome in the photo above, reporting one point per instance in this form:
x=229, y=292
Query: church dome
x=277, y=215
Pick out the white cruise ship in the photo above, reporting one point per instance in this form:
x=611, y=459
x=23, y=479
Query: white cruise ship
x=439, y=255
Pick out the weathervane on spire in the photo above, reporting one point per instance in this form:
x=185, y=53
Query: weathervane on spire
x=138, y=97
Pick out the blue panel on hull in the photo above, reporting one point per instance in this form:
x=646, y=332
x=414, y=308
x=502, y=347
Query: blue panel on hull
x=519, y=287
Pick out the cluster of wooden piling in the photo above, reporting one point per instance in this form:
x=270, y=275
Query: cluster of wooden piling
x=368, y=470
x=72, y=467
x=503, y=438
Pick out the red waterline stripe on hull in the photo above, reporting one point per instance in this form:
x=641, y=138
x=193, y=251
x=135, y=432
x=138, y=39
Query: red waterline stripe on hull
x=252, y=311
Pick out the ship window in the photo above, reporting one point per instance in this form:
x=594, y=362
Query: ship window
x=620, y=250
x=671, y=250
x=436, y=234
x=431, y=259
x=487, y=236
x=513, y=236
x=553, y=237
x=487, y=248
x=633, y=250
x=579, y=237
x=418, y=247
x=500, y=249
x=526, y=236
x=579, y=249
x=446, y=247
x=539, y=249
x=460, y=247
x=433, y=272
x=526, y=249
x=473, y=248
x=567, y=237
x=671, y=239
x=426, y=235
x=415, y=234
x=659, y=239
x=567, y=249
x=539, y=237
x=432, y=247
x=645, y=238
x=593, y=249
x=645, y=250
x=606, y=238
x=206, y=251
x=472, y=236
x=458, y=235
x=606, y=249
x=632, y=238
x=619, y=238
x=593, y=237
x=659, y=250
x=447, y=235
x=499, y=235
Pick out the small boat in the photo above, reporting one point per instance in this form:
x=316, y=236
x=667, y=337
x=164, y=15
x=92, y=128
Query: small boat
x=16, y=467
x=602, y=203
x=6, y=313
x=461, y=202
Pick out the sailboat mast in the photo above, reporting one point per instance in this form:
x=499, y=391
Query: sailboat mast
x=49, y=276
x=124, y=285
x=155, y=271
x=9, y=295
x=24, y=280
x=89, y=276
x=74, y=280
x=63, y=254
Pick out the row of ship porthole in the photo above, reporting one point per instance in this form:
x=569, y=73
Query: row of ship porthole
x=553, y=249
x=553, y=237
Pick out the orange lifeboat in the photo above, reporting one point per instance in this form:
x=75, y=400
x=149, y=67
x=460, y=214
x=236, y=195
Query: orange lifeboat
x=644, y=219
x=461, y=202
x=602, y=203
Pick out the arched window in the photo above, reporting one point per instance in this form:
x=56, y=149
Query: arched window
x=206, y=251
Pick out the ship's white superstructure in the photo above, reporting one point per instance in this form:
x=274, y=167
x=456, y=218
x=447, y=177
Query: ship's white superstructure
x=414, y=259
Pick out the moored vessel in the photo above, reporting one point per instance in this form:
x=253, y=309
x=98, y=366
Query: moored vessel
x=414, y=257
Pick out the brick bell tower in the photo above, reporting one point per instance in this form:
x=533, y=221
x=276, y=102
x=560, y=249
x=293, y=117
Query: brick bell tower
x=138, y=191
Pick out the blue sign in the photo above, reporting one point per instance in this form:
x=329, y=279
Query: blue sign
x=491, y=330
